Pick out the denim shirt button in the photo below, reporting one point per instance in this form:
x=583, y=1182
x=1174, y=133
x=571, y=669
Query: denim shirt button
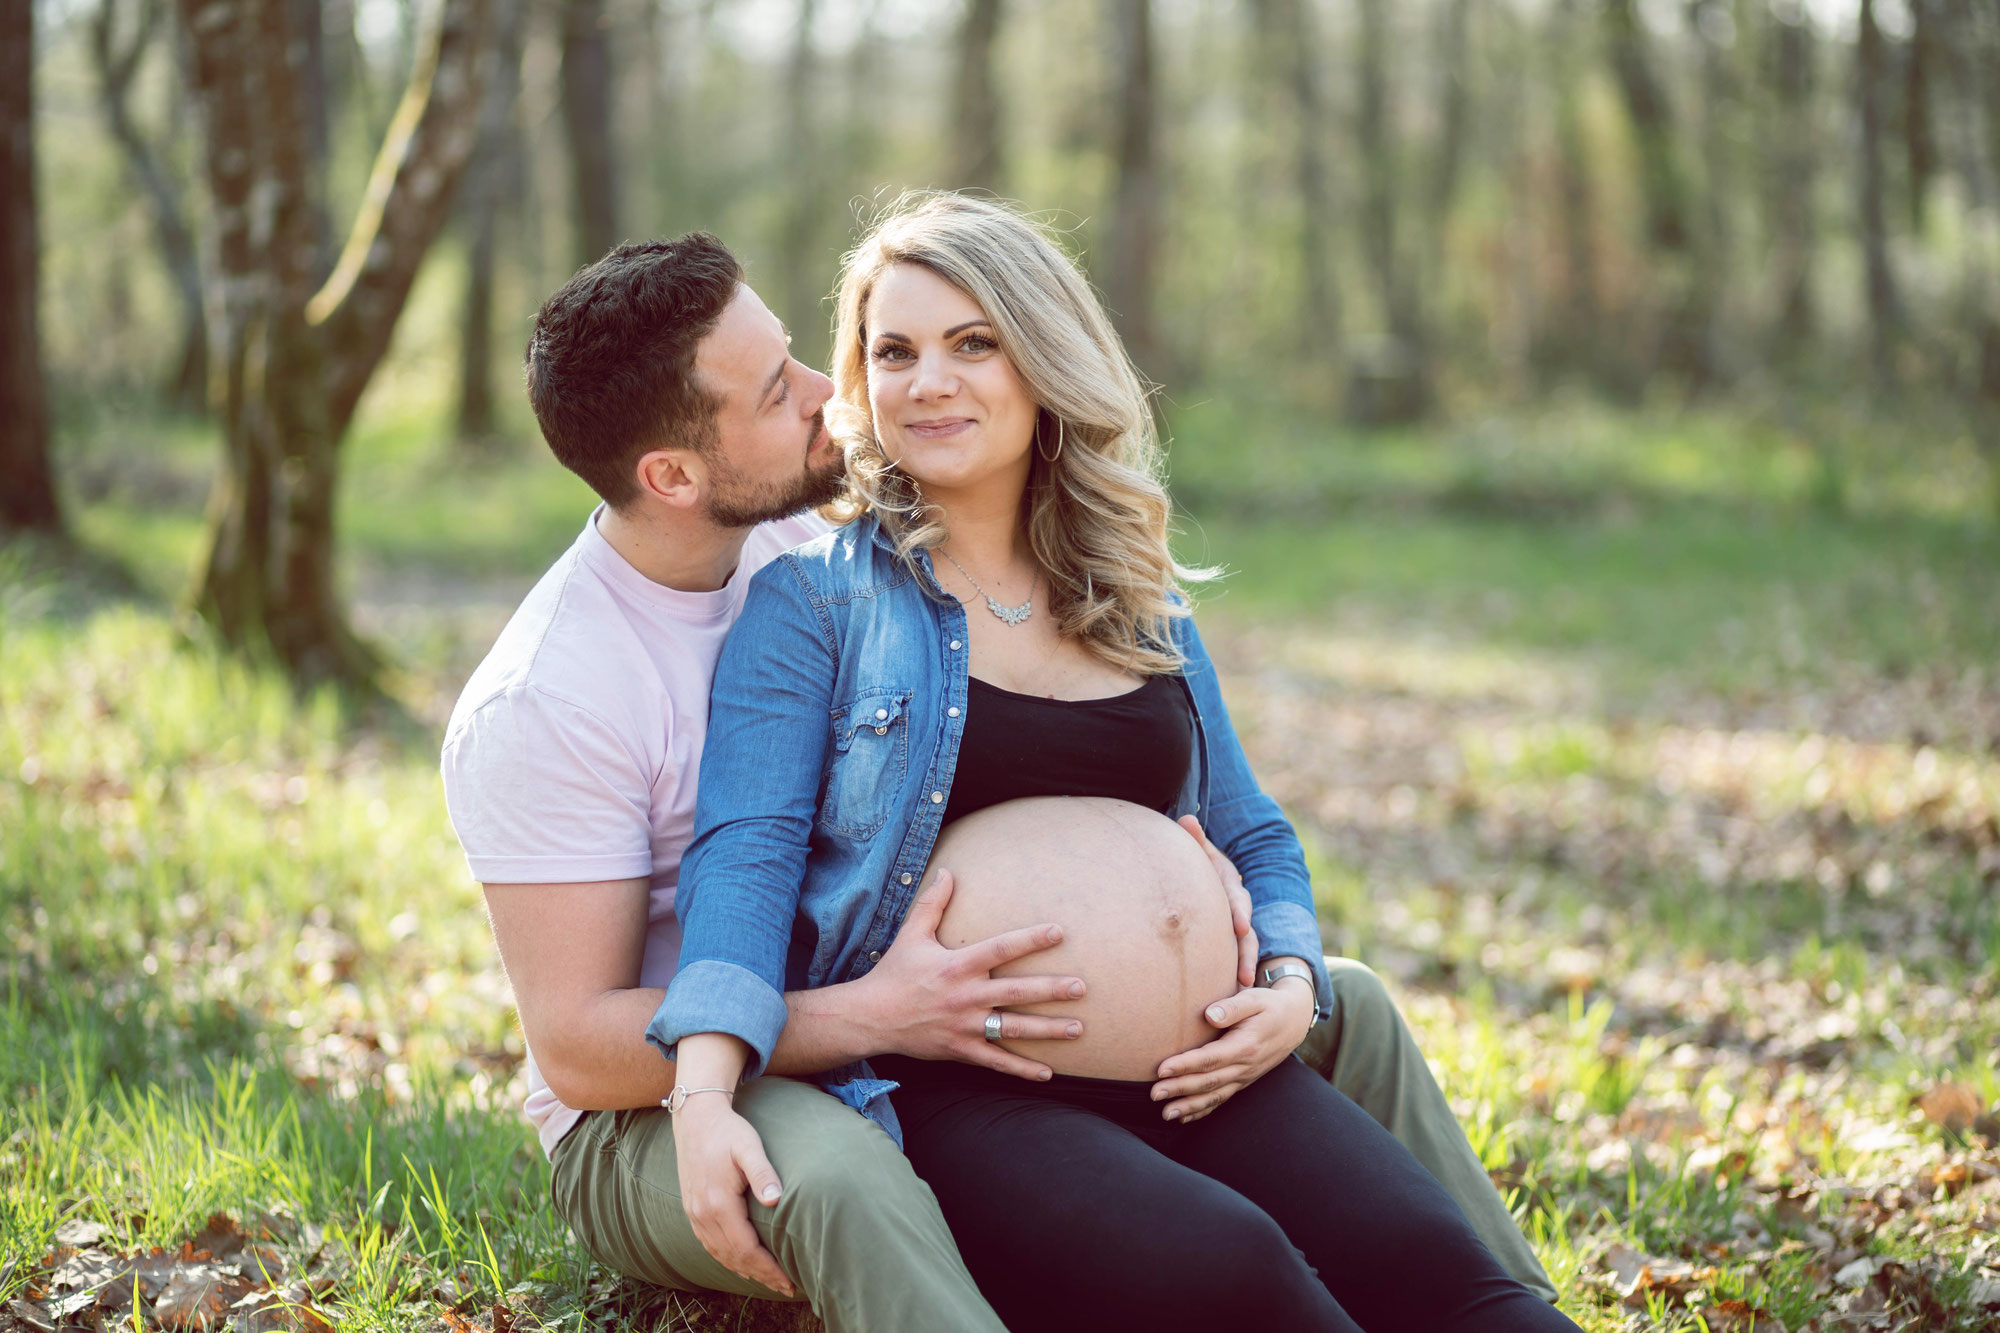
x=951, y=712
x=937, y=798
x=874, y=955
x=906, y=879
x=881, y=714
x=955, y=645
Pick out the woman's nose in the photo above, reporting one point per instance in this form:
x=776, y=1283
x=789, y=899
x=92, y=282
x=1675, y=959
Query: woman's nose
x=934, y=378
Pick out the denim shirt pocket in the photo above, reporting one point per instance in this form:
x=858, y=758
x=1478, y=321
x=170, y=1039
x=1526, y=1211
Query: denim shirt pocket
x=870, y=760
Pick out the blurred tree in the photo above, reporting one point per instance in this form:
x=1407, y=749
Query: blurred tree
x=27, y=483
x=1389, y=379
x=1132, y=249
x=1454, y=98
x=1713, y=31
x=311, y=86
x=293, y=360
x=1920, y=147
x=1575, y=341
x=975, y=124
x=493, y=179
x=1289, y=51
x=1870, y=92
x=586, y=106
x=1687, y=293
x=121, y=35
x=1793, y=179
x=801, y=278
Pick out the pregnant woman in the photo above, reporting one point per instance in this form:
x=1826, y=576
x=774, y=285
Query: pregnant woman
x=990, y=681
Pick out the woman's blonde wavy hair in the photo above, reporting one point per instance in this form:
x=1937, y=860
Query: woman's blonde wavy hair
x=1097, y=516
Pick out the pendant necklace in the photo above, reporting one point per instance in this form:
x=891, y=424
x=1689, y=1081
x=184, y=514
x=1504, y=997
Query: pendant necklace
x=1009, y=615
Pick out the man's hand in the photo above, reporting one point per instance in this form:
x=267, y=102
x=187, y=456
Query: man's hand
x=1239, y=902
x=931, y=1002
x=1259, y=1028
x=720, y=1157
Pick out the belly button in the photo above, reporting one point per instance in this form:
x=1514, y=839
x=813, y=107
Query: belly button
x=1173, y=922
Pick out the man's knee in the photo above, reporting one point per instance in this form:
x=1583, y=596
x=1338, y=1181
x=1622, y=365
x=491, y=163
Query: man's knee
x=831, y=1161
x=1361, y=1002
x=1364, y=1017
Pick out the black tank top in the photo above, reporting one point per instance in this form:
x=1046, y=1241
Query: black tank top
x=1134, y=746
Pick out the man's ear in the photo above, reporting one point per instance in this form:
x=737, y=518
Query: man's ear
x=672, y=476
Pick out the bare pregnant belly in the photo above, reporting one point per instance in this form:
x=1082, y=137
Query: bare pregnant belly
x=1144, y=919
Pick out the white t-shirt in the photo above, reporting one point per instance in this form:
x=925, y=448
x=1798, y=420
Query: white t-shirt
x=573, y=752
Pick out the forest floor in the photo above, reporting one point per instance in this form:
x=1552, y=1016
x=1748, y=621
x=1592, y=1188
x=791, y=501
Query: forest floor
x=1654, y=760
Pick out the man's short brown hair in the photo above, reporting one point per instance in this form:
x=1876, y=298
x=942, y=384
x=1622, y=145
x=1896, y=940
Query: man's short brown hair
x=611, y=363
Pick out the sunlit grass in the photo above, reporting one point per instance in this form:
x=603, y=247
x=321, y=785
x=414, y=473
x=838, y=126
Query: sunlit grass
x=251, y=974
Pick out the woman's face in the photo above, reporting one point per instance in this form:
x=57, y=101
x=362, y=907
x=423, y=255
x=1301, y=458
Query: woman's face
x=948, y=406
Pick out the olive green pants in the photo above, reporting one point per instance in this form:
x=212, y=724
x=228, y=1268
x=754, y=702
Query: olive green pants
x=862, y=1236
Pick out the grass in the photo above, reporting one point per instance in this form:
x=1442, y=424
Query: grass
x=1663, y=790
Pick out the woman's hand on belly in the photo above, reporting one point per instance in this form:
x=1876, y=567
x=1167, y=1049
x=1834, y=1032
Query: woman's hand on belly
x=1259, y=1028
x=930, y=1001
x=1239, y=901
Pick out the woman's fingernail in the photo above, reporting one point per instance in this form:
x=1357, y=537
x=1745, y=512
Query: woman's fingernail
x=1215, y=1013
x=1076, y=990
x=770, y=1193
x=1055, y=934
x=1075, y=1029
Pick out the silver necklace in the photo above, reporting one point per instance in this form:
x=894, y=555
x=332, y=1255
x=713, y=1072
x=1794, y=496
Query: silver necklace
x=1009, y=615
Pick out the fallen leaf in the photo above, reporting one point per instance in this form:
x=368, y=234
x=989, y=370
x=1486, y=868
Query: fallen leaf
x=1952, y=1105
x=1739, y=1317
x=31, y=1314
x=79, y=1234
x=197, y=1297
x=220, y=1236
x=1861, y=1272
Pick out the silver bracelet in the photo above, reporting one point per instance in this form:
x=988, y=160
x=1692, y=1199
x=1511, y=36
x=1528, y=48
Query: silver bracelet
x=678, y=1098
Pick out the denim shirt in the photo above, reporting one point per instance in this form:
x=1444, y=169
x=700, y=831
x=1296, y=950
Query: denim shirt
x=834, y=728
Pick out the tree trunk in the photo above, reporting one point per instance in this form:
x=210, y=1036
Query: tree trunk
x=1582, y=319
x=187, y=387
x=1920, y=146
x=293, y=361
x=802, y=280
x=1884, y=313
x=492, y=179
x=1133, y=247
x=1714, y=270
x=1389, y=380
x=975, y=153
x=27, y=483
x=1290, y=52
x=586, y=105
x=1688, y=299
x=1795, y=235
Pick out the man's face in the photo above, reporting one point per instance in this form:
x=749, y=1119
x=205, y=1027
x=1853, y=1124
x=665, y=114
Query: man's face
x=772, y=456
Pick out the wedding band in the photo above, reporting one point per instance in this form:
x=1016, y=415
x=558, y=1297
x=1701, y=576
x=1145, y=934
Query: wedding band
x=993, y=1026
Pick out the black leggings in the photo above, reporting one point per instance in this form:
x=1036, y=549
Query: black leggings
x=1076, y=1206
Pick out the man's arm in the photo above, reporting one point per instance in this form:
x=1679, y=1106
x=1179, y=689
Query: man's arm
x=572, y=954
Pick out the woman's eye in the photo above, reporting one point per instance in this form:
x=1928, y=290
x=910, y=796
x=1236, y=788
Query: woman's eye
x=976, y=343
x=891, y=353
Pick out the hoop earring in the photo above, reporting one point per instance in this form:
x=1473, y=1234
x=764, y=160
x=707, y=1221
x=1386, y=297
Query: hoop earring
x=1059, y=443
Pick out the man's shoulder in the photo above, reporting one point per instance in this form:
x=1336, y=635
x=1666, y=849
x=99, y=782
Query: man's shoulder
x=558, y=647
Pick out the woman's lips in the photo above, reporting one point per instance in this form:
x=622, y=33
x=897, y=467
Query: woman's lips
x=938, y=429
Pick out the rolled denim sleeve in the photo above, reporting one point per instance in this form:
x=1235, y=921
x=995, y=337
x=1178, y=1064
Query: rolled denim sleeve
x=1252, y=831
x=760, y=770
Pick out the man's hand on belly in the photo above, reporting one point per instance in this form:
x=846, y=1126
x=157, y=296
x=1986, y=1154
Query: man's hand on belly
x=931, y=1002
x=1259, y=1028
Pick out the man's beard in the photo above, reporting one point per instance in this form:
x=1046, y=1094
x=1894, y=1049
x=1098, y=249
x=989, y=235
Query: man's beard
x=734, y=503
